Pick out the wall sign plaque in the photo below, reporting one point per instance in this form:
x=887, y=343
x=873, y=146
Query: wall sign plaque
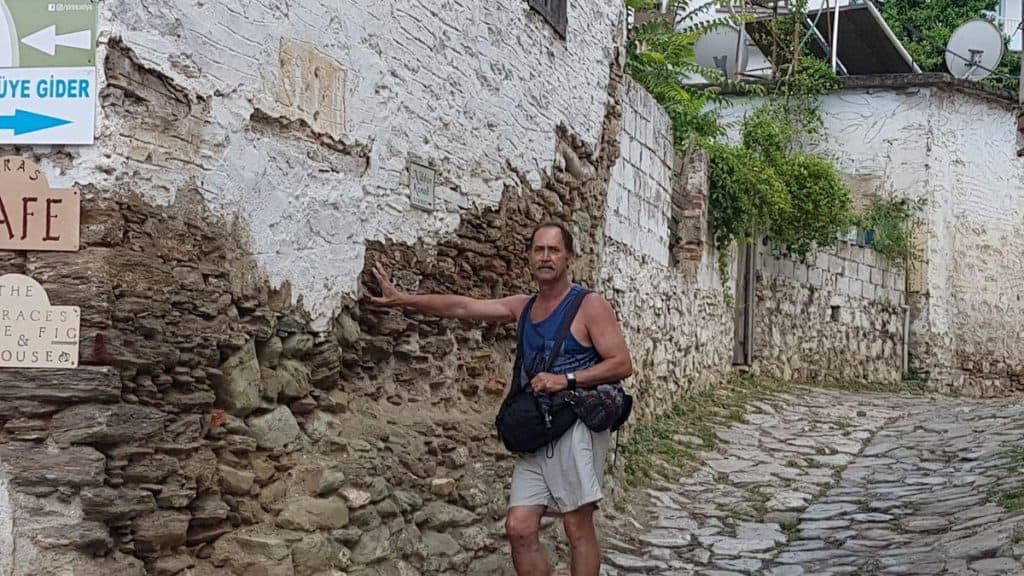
x=34, y=334
x=421, y=186
x=34, y=216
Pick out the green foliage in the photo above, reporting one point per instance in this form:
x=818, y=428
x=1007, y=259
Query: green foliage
x=768, y=133
x=935, y=21
x=746, y=194
x=820, y=205
x=767, y=185
x=1010, y=495
x=894, y=221
x=660, y=57
x=813, y=78
x=799, y=97
x=764, y=184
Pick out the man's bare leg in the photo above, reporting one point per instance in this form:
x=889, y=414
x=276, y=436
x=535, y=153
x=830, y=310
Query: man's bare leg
x=523, y=528
x=586, y=552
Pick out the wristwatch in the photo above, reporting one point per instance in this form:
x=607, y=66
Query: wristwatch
x=571, y=377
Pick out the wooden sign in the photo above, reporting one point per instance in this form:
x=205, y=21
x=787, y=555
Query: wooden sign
x=34, y=334
x=32, y=215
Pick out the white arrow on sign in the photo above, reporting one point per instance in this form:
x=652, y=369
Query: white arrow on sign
x=47, y=39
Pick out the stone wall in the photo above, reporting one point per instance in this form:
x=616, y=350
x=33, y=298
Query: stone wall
x=239, y=409
x=839, y=317
x=956, y=150
x=658, y=270
x=951, y=145
x=212, y=428
x=679, y=330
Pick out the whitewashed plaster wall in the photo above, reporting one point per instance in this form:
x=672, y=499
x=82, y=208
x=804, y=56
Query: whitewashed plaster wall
x=474, y=89
x=957, y=152
x=640, y=189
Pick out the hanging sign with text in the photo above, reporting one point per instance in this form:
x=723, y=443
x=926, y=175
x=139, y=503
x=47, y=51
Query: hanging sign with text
x=32, y=215
x=34, y=334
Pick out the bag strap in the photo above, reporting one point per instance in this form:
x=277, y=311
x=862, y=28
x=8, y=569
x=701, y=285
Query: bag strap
x=563, y=330
x=518, y=365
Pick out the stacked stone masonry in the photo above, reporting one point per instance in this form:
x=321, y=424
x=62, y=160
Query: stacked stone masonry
x=674, y=316
x=679, y=331
x=211, y=429
x=837, y=317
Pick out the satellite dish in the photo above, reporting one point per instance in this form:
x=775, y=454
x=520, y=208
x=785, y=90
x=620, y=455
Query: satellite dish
x=974, y=50
x=717, y=49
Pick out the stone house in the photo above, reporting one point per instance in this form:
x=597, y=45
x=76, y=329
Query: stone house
x=951, y=144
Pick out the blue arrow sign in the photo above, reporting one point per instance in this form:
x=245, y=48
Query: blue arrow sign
x=23, y=122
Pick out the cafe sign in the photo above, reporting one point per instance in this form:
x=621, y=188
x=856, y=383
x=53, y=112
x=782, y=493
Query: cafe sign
x=34, y=334
x=32, y=215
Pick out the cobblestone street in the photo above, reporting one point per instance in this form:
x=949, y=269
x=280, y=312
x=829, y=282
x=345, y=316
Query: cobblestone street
x=822, y=482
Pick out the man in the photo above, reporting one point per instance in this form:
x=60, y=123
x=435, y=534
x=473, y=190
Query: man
x=564, y=478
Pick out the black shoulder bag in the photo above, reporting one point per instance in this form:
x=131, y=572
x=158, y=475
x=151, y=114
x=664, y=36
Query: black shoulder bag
x=528, y=421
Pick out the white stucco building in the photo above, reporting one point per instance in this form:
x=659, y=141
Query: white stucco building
x=953, y=145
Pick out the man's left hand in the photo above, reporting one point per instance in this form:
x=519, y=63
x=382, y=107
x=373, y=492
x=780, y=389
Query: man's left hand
x=549, y=383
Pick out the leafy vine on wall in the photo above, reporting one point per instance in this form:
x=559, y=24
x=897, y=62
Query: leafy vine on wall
x=765, y=184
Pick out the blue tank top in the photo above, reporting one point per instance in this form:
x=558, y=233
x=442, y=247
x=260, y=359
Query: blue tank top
x=538, y=338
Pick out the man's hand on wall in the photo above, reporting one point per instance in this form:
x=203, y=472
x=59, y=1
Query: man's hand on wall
x=389, y=295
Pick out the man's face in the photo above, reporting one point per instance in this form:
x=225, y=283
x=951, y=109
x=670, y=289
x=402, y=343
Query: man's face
x=549, y=259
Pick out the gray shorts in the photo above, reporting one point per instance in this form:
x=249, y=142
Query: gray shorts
x=570, y=479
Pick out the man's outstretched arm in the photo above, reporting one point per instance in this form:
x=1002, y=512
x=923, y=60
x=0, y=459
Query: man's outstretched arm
x=447, y=305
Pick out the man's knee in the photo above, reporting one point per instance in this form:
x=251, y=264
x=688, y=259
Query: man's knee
x=579, y=524
x=522, y=526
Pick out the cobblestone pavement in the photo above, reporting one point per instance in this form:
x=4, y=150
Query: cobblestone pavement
x=832, y=482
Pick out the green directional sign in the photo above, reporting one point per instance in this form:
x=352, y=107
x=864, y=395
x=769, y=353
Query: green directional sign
x=44, y=33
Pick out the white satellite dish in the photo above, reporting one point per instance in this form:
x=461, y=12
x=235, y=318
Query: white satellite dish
x=974, y=50
x=718, y=49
